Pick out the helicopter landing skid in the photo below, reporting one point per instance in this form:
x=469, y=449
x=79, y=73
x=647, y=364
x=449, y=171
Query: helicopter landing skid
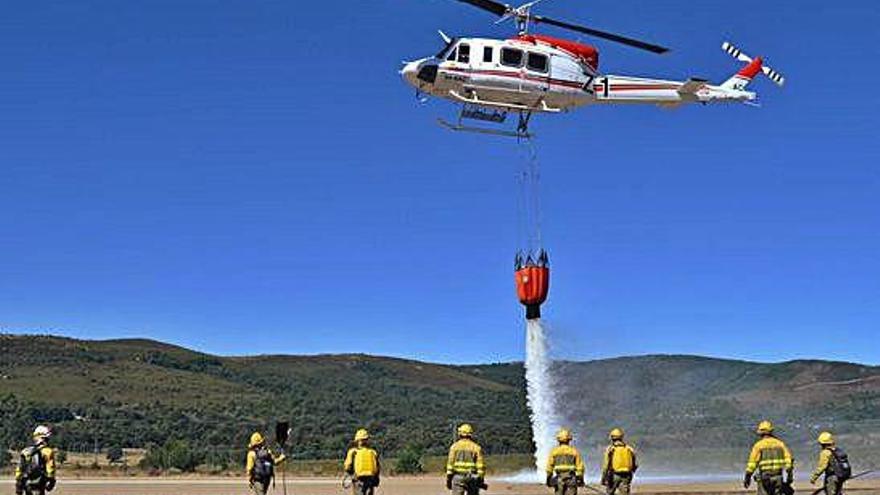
x=522, y=128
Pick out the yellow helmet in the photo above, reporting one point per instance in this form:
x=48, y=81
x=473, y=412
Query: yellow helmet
x=825, y=438
x=563, y=435
x=256, y=439
x=42, y=433
x=764, y=428
x=616, y=434
x=465, y=430
x=361, y=435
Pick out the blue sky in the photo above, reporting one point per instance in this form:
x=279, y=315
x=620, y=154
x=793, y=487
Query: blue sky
x=249, y=177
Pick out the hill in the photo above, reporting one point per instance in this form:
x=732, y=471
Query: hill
x=133, y=393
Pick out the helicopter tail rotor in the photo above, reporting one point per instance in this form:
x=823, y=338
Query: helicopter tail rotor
x=753, y=67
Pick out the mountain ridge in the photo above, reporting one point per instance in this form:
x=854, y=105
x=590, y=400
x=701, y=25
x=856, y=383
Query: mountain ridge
x=135, y=392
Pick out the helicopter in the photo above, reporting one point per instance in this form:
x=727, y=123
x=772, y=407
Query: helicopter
x=536, y=73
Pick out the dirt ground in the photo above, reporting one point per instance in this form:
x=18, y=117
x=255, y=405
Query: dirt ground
x=392, y=486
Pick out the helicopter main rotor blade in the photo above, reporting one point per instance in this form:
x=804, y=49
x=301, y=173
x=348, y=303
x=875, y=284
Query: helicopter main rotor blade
x=600, y=34
x=496, y=8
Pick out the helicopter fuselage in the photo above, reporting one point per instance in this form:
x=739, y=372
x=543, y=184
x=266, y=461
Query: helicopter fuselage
x=537, y=73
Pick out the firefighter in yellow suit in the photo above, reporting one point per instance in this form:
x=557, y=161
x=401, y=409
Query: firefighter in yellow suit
x=619, y=464
x=826, y=466
x=465, y=468
x=260, y=466
x=565, y=466
x=769, y=458
x=35, y=473
x=362, y=464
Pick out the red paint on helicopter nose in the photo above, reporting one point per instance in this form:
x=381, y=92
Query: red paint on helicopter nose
x=589, y=54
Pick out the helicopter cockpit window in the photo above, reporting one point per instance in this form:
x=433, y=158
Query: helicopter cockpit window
x=452, y=54
x=464, y=53
x=537, y=62
x=511, y=57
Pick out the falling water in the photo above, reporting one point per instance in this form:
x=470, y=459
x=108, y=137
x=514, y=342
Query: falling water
x=540, y=391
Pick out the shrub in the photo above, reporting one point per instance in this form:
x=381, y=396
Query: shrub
x=115, y=455
x=409, y=461
x=174, y=455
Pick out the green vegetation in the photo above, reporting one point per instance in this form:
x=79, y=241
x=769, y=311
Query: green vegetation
x=115, y=455
x=192, y=409
x=175, y=454
x=409, y=461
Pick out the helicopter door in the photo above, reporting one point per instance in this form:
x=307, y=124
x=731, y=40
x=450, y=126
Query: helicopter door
x=538, y=67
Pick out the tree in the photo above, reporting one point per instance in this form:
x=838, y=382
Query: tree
x=409, y=461
x=115, y=455
x=5, y=458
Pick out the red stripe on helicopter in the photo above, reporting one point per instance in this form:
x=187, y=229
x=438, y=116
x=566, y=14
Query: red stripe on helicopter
x=519, y=75
x=633, y=87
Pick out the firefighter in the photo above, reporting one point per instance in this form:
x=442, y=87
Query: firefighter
x=465, y=469
x=35, y=473
x=565, y=466
x=261, y=462
x=362, y=464
x=768, y=460
x=833, y=463
x=619, y=464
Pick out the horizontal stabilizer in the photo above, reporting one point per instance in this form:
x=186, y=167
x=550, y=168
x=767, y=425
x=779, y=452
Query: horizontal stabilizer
x=691, y=86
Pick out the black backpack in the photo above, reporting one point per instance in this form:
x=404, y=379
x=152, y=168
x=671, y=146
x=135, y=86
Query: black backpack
x=32, y=464
x=840, y=464
x=264, y=467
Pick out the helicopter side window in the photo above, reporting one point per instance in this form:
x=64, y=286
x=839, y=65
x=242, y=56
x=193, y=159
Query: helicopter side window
x=511, y=57
x=537, y=62
x=488, y=54
x=464, y=53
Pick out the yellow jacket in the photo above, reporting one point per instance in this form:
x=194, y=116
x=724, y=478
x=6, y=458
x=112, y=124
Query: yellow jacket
x=465, y=457
x=824, y=461
x=252, y=461
x=362, y=461
x=565, y=459
x=769, y=455
x=48, y=454
x=622, y=458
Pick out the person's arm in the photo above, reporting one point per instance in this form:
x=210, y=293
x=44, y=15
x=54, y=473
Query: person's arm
x=754, y=459
x=48, y=454
x=789, y=464
x=378, y=464
x=580, y=468
x=551, y=464
x=19, y=482
x=824, y=460
x=607, y=466
x=277, y=460
x=249, y=465
x=635, y=459
x=450, y=462
x=348, y=465
x=481, y=463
